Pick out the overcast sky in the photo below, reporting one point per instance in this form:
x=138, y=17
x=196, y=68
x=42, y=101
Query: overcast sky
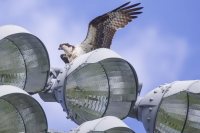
x=162, y=44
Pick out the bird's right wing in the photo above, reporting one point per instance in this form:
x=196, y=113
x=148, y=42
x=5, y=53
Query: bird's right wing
x=102, y=29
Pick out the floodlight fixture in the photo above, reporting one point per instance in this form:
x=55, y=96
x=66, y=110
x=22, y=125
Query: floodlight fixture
x=171, y=108
x=24, y=59
x=107, y=124
x=19, y=112
x=97, y=84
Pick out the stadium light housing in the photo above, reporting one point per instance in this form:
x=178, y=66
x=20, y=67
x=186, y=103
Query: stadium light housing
x=97, y=84
x=19, y=112
x=172, y=108
x=24, y=59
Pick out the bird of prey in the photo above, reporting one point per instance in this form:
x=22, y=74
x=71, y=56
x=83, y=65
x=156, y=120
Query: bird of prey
x=101, y=31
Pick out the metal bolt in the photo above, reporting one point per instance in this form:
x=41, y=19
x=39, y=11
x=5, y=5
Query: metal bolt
x=151, y=99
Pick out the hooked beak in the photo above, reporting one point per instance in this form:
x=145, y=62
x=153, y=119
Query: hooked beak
x=60, y=47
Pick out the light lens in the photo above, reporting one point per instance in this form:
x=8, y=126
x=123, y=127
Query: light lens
x=108, y=87
x=24, y=62
x=193, y=120
x=12, y=65
x=11, y=120
x=172, y=114
x=22, y=114
x=107, y=124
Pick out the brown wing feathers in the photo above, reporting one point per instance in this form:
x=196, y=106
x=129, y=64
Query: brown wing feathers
x=120, y=16
x=103, y=28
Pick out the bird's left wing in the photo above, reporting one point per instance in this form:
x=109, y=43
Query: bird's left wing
x=102, y=29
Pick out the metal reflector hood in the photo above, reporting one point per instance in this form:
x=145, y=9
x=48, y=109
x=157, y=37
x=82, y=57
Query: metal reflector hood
x=100, y=87
x=24, y=60
x=19, y=112
x=108, y=124
x=172, y=108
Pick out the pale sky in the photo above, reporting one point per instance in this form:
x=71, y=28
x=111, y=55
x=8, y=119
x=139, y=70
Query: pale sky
x=162, y=44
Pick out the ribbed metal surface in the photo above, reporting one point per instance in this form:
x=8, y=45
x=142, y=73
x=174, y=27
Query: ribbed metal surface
x=20, y=113
x=24, y=62
x=108, y=87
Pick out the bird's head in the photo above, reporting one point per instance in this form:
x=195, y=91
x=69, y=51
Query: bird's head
x=66, y=47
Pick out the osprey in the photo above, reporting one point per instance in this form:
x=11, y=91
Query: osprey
x=101, y=31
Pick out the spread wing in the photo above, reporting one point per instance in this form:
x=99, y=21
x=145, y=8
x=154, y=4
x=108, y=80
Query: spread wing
x=102, y=29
